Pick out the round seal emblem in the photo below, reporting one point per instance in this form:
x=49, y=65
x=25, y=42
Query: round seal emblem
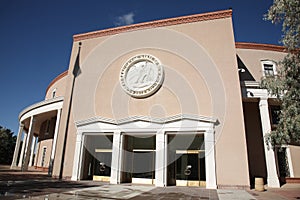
x=141, y=75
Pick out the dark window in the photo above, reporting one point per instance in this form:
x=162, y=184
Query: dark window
x=53, y=93
x=269, y=69
x=43, y=156
x=47, y=127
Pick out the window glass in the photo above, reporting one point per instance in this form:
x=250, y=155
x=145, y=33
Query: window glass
x=268, y=67
x=54, y=93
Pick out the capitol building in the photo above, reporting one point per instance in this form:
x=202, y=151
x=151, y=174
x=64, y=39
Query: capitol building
x=169, y=102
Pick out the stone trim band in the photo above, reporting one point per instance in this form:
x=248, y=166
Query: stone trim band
x=155, y=24
x=257, y=46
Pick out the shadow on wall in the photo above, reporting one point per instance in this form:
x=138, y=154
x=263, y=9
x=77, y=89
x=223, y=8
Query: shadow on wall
x=244, y=73
x=255, y=142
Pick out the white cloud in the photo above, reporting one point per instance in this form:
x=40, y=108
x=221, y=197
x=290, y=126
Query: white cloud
x=124, y=19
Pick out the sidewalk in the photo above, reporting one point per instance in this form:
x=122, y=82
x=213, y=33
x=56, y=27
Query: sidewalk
x=15, y=184
x=287, y=191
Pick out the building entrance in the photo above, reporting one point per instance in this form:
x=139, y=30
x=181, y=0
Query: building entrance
x=97, y=156
x=186, y=158
x=139, y=159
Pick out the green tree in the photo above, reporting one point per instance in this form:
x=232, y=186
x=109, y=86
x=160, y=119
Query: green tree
x=7, y=145
x=286, y=85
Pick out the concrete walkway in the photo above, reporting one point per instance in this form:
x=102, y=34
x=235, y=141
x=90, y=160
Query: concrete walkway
x=15, y=184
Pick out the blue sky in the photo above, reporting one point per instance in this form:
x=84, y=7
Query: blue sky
x=36, y=37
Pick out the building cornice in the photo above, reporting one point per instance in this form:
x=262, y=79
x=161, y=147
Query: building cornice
x=40, y=104
x=257, y=46
x=146, y=119
x=155, y=24
x=250, y=84
x=60, y=76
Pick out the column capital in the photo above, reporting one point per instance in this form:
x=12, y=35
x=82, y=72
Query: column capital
x=263, y=101
x=263, y=98
x=117, y=131
x=159, y=132
x=209, y=132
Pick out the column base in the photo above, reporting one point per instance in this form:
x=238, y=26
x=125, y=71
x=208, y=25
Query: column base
x=14, y=167
x=73, y=178
x=273, y=182
x=211, y=186
x=113, y=181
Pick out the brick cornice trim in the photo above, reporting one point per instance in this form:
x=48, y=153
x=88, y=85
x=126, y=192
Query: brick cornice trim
x=154, y=24
x=257, y=46
x=60, y=76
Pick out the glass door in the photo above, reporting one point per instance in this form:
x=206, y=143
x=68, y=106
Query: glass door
x=190, y=168
x=143, y=168
x=139, y=159
x=186, y=158
x=97, y=156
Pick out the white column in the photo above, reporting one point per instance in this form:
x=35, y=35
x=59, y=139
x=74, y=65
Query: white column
x=54, y=141
x=273, y=180
x=32, y=150
x=28, y=144
x=116, y=162
x=22, y=150
x=77, y=155
x=160, y=160
x=290, y=163
x=210, y=165
x=37, y=152
x=17, y=147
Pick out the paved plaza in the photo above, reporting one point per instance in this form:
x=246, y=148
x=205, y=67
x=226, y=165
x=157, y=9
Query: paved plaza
x=15, y=184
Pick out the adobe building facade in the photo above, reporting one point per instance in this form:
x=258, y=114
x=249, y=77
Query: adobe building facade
x=168, y=102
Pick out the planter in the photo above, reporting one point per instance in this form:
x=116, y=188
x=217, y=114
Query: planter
x=259, y=184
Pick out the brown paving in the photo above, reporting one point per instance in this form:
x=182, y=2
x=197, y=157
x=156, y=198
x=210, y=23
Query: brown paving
x=168, y=193
x=37, y=185
x=16, y=184
x=286, y=192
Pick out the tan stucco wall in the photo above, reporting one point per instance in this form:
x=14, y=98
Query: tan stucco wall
x=295, y=155
x=62, y=129
x=184, y=90
x=200, y=78
x=59, y=86
x=252, y=59
x=39, y=152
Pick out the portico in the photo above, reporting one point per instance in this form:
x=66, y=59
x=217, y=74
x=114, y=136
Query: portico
x=253, y=92
x=138, y=136
x=32, y=129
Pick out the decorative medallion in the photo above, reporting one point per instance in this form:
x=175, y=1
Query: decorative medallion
x=141, y=76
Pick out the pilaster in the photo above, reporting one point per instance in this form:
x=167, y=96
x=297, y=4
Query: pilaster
x=77, y=154
x=116, y=163
x=210, y=165
x=160, y=160
x=290, y=163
